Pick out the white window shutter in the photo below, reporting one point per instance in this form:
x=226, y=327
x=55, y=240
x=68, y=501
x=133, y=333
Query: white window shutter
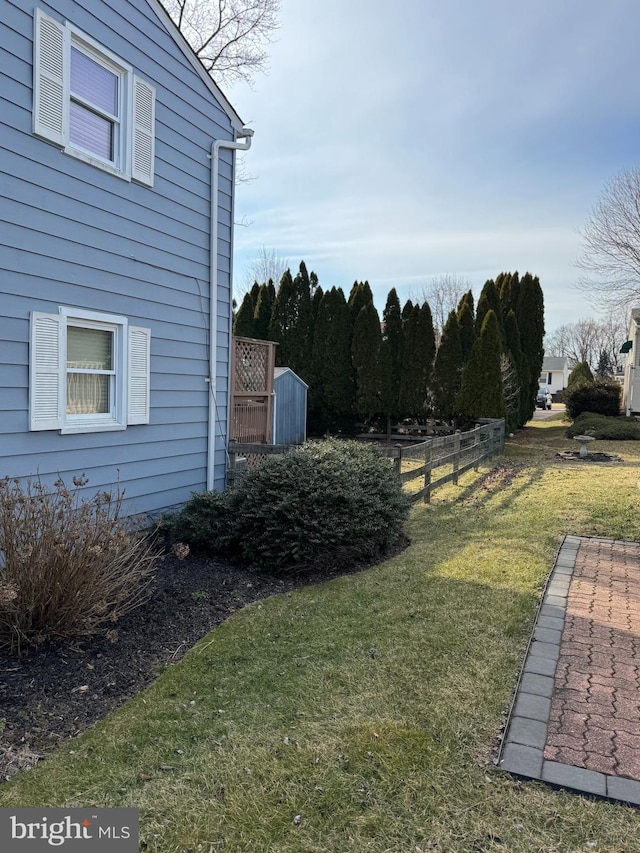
x=46, y=390
x=139, y=375
x=50, y=106
x=144, y=106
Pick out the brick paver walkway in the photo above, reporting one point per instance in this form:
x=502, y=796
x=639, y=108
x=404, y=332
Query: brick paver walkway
x=576, y=720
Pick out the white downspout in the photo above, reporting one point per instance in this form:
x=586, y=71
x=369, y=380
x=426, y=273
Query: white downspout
x=214, y=155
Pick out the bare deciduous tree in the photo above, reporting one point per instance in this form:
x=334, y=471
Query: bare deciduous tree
x=587, y=339
x=611, y=252
x=268, y=264
x=443, y=293
x=228, y=36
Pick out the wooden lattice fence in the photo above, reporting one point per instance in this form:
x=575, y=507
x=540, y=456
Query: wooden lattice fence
x=252, y=366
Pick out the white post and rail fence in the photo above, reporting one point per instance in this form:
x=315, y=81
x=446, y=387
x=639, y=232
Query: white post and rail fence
x=432, y=462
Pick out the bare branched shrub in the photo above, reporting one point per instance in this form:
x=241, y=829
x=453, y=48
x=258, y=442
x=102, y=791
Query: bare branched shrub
x=69, y=566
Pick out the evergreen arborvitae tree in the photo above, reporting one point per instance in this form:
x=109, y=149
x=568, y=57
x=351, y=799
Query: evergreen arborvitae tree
x=447, y=370
x=426, y=348
x=467, y=327
x=514, y=291
x=318, y=293
x=513, y=373
x=468, y=298
x=388, y=385
x=359, y=297
x=407, y=309
x=304, y=337
x=481, y=394
x=262, y=314
x=417, y=362
x=510, y=391
x=489, y=300
x=580, y=374
x=503, y=286
x=243, y=324
x=316, y=397
x=392, y=335
x=290, y=325
x=405, y=315
x=283, y=316
x=255, y=290
x=365, y=356
x=530, y=317
x=332, y=388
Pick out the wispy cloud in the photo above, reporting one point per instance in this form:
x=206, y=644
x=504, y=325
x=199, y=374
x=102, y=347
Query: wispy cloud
x=398, y=142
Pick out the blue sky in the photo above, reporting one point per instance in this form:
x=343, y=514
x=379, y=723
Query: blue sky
x=397, y=142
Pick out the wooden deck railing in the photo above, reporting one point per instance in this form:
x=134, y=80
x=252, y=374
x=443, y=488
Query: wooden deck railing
x=435, y=461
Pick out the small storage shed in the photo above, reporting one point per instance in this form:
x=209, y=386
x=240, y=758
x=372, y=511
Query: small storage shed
x=289, y=407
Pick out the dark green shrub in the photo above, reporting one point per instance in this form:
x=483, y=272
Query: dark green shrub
x=325, y=502
x=605, y=428
x=581, y=373
x=203, y=524
x=329, y=500
x=601, y=397
x=69, y=566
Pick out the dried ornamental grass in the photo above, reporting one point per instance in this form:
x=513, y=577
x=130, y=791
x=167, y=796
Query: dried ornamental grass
x=69, y=565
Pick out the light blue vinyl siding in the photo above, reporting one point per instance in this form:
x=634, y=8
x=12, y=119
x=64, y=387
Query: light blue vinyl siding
x=74, y=235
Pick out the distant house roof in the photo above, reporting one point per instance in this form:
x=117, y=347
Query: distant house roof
x=555, y=362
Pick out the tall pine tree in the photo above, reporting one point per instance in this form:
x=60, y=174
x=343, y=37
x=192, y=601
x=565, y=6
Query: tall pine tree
x=332, y=388
x=262, y=314
x=489, y=300
x=243, y=324
x=417, y=363
x=530, y=317
x=365, y=356
x=481, y=395
x=359, y=296
x=467, y=327
x=513, y=376
x=290, y=325
x=392, y=336
x=447, y=370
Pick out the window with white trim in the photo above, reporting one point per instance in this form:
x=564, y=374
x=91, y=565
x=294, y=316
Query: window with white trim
x=90, y=102
x=89, y=372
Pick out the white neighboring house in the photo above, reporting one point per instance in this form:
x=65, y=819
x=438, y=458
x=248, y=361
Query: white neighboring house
x=631, y=385
x=555, y=373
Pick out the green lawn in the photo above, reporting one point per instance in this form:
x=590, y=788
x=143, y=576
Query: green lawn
x=363, y=714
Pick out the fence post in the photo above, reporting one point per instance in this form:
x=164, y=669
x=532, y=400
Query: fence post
x=428, y=454
x=456, y=457
x=231, y=470
x=397, y=460
x=477, y=447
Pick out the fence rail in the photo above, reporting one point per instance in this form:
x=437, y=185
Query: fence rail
x=435, y=461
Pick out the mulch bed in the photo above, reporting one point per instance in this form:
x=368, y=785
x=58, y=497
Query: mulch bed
x=592, y=456
x=56, y=691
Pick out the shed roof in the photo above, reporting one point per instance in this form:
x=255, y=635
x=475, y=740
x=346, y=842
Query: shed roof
x=280, y=371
